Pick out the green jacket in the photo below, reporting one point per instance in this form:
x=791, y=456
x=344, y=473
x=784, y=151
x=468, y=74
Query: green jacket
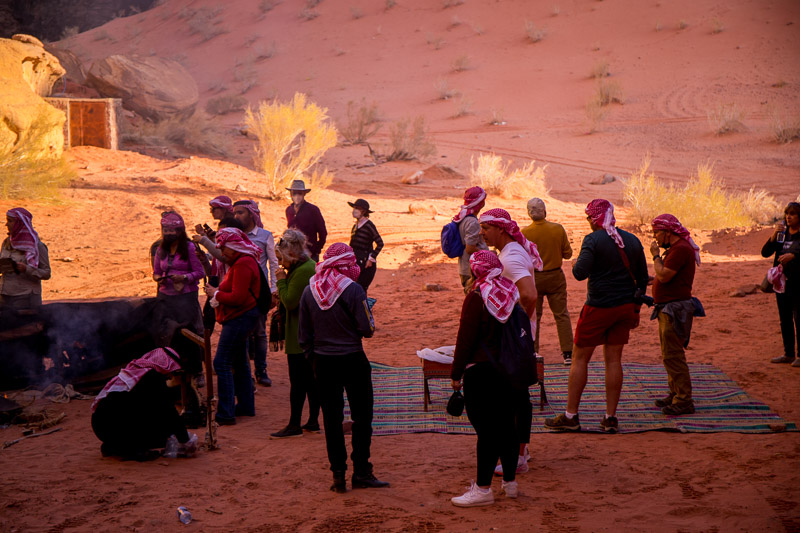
x=290, y=290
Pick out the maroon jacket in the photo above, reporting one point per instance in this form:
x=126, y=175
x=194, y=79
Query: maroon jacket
x=308, y=220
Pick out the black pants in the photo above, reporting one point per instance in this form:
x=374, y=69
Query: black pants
x=334, y=375
x=524, y=416
x=366, y=276
x=490, y=403
x=789, y=314
x=301, y=384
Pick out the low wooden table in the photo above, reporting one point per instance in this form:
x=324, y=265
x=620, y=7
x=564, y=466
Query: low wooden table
x=432, y=369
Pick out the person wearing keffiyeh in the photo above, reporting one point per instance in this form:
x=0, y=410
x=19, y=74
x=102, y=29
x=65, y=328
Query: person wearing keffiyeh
x=491, y=404
x=334, y=317
x=24, y=263
x=674, y=307
x=221, y=207
x=470, y=230
x=135, y=414
x=235, y=302
x=614, y=263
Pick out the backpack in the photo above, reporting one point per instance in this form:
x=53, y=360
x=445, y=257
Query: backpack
x=264, y=297
x=452, y=245
x=516, y=359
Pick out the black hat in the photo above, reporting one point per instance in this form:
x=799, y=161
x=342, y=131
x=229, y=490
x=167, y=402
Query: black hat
x=361, y=204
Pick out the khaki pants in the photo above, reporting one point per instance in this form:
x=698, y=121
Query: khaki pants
x=553, y=284
x=674, y=356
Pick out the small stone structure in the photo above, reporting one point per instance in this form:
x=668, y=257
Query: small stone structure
x=90, y=121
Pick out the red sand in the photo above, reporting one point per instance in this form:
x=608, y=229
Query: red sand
x=671, y=78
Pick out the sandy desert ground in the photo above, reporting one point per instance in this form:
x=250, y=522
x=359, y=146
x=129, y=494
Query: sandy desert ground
x=99, y=232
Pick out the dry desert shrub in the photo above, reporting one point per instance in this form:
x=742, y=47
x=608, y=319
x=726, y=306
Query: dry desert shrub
x=408, y=140
x=595, y=114
x=204, y=22
x=443, y=90
x=195, y=133
x=265, y=6
x=29, y=169
x=356, y=13
x=784, y=129
x=309, y=14
x=463, y=107
x=362, y=123
x=262, y=52
x=69, y=32
x=229, y=103
x=292, y=138
x=461, y=64
x=437, y=42
x=455, y=22
x=725, y=118
x=608, y=92
x=389, y=4
x=495, y=177
x=555, y=11
x=451, y=3
x=703, y=203
x=717, y=26
x=600, y=70
x=478, y=29
x=682, y=24
x=532, y=33
x=497, y=117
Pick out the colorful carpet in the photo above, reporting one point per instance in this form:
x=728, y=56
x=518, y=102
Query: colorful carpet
x=720, y=404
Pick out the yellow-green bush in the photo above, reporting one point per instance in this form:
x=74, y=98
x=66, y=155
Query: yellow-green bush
x=703, y=203
x=494, y=176
x=28, y=169
x=292, y=137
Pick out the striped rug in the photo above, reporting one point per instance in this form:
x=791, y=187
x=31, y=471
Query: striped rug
x=719, y=402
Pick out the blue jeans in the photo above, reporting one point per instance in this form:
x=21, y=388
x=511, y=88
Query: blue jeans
x=233, y=367
x=257, y=345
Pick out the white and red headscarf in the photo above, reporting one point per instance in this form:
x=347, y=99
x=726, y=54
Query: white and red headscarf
x=501, y=219
x=236, y=240
x=472, y=199
x=252, y=206
x=337, y=270
x=499, y=293
x=602, y=214
x=22, y=236
x=776, y=276
x=172, y=220
x=158, y=360
x=222, y=201
x=671, y=223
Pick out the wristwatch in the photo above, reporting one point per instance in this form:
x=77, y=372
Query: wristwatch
x=656, y=257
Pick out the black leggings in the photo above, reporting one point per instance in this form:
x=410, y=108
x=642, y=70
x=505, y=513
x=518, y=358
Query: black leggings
x=301, y=384
x=789, y=314
x=366, y=276
x=490, y=403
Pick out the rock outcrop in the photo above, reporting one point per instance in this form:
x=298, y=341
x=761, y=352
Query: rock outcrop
x=27, y=73
x=154, y=87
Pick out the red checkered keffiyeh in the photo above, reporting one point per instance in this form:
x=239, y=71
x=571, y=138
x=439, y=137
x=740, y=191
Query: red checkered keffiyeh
x=236, y=240
x=501, y=219
x=22, y=236
x=671, y=223
x=472, y=199
x=499, y=294
x=222, y=201
x=252, y=206
x=158, y=360
x=337, y=270
x=602, y=214
x=171, y=219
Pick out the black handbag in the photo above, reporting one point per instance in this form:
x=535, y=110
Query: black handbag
x=455, y=405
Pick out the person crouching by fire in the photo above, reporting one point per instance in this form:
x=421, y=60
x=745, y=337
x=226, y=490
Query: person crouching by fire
x=24, y=263
x=237, y=311
x=134, y=415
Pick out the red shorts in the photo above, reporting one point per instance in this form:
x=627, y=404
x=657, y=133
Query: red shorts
x=606, y=325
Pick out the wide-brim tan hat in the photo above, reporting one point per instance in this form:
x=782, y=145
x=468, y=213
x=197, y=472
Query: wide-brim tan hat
x=298, y=185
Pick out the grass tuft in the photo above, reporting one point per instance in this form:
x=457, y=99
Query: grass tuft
x=408, y=140
x=532, y=33
x=195, y=133
x=490, y=172
x=443, y=90
x=784, y=129
x=461, y=64
x=608, y=92
x=600, y=70
x=703, y=203
x=222, y=105
x=725, y=118
x=362, y=123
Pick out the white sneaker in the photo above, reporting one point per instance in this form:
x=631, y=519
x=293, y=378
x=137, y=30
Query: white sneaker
x=527, y=455
x=522, y=465
x=510, y=489
x=474, y=497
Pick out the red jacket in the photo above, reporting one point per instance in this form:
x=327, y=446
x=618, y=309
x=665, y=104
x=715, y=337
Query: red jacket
x=237, y=292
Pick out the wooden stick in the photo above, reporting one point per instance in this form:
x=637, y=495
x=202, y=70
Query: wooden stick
x=8, y=443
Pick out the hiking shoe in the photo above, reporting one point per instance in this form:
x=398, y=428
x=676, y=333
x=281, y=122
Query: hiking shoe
x=609, y=424
x=522, y=466
x=796, y=362
x=311, y=427
x=367, y=481
x=663, y=402
x=676, y=409
x=782, y=359
x=510, y=489
x=263, y=379
x=225, y=421
x=287, y=432
x=474, y=497
x=567, y=358
x=339, y=483
x=562, y=422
